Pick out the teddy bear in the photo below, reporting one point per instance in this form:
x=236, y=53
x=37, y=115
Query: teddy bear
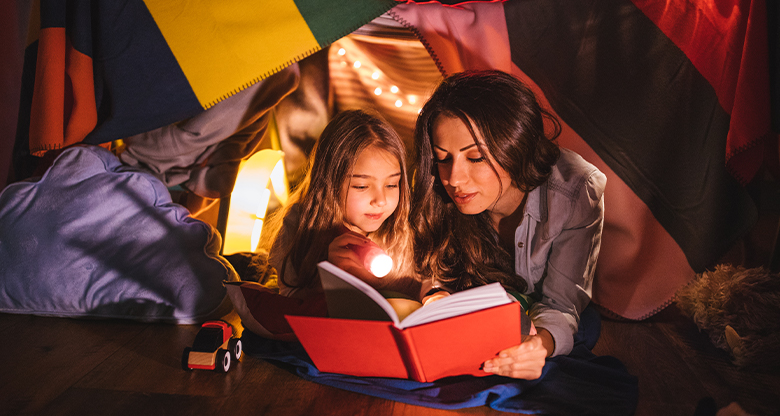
x=740, y=310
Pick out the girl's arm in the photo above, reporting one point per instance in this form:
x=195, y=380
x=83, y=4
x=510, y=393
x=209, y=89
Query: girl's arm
x=283, y=265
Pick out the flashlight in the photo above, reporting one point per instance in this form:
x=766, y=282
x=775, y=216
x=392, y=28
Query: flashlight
x=375, y=260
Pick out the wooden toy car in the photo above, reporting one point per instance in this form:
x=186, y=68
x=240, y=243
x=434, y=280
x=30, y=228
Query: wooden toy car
x=214, y=348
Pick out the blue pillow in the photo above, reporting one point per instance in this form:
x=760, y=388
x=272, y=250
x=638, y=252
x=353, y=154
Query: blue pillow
x=94, y=238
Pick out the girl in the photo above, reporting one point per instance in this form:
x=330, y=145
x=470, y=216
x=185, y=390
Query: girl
x=356, y=191
x=496, y=200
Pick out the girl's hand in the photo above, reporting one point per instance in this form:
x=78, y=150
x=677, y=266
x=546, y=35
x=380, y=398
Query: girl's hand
x=521, y=361
x=345, y=258
x=436, y=296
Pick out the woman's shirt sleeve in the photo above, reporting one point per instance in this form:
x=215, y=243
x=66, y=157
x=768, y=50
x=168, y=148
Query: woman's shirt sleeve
x=566, y=288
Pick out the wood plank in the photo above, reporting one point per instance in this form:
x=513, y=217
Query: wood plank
x=43, y=357
x=151, y=363
x=647, y=354
x=101, y=402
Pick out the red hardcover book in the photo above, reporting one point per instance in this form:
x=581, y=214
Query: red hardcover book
x=365, y=337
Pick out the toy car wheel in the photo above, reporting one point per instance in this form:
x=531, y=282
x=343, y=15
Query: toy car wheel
x=236, y=348
x=185, y=358
x=222, y=362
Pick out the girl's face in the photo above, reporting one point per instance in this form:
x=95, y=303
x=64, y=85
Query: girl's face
x=372, y=191
x=466, y=175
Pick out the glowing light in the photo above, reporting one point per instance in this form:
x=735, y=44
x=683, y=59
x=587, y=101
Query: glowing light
x=257, y=229
x=378, y=91
x=357, y=64
x=375, y=260
x=412, y=99
x=342, y=52
x=398, y=103
x=394, y=89
x=375, y=75
x=257, y=178
x=279, y=182
x=381, y=265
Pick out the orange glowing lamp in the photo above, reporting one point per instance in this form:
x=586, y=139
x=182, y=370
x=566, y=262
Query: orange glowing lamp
x=259, y=178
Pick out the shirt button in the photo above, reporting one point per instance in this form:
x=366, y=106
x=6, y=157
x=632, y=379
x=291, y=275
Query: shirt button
x=520, y=244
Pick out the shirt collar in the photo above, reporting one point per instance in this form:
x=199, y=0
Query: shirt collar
x=536, y=205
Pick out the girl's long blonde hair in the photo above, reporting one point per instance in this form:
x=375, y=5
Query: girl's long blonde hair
x=321, y=197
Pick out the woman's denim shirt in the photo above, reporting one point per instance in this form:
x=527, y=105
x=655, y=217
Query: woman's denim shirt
x=557, y=245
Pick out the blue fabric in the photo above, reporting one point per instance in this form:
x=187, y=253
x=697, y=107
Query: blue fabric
x=92, y=238
x=580, y=383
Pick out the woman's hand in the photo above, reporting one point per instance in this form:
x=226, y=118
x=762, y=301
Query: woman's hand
x=521, y=361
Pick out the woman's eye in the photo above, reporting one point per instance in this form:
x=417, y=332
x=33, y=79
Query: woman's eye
x=393, y=185
x=477, y=160
x=359, y=187
x=442, y=161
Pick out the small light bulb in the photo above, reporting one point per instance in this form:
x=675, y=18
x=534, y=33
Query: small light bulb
x=342, y=52
x=398, y=103
x=375, y=75
x=378, y=91
x=357, y=64
x=394, y=89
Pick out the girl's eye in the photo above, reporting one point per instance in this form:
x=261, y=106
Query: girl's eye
x=477, y=160
x=444, y=161
x=393, y=186
x=360, y=187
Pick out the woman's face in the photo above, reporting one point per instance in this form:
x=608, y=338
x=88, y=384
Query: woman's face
x=465, y=173
x=372, y=191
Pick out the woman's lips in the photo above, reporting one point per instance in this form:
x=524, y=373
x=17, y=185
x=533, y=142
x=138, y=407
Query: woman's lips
x=463, y=198
x=373, y=217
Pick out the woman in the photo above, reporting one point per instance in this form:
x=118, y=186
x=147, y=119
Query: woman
x=495, y=199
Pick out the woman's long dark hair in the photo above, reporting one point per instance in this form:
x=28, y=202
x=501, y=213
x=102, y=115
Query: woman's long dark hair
x=462, y=250
x=321, y=200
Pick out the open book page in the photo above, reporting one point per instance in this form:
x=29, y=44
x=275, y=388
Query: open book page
x=460, y=303
x=351, y=298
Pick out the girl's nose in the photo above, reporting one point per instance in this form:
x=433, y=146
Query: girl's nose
x=380, y=199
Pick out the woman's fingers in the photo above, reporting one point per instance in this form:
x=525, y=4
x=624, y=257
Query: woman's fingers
x=520, y=361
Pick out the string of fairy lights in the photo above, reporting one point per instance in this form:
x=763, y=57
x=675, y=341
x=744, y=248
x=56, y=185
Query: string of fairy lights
x=392, y=93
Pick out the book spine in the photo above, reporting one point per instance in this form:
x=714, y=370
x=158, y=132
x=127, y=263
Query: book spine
x=409, y=355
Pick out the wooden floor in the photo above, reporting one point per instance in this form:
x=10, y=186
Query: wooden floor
x=59, y=366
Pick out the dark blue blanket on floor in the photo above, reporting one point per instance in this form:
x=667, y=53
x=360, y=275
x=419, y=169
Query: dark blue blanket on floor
x=580, y=383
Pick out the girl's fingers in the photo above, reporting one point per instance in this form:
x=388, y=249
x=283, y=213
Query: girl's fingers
x=350, y=238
